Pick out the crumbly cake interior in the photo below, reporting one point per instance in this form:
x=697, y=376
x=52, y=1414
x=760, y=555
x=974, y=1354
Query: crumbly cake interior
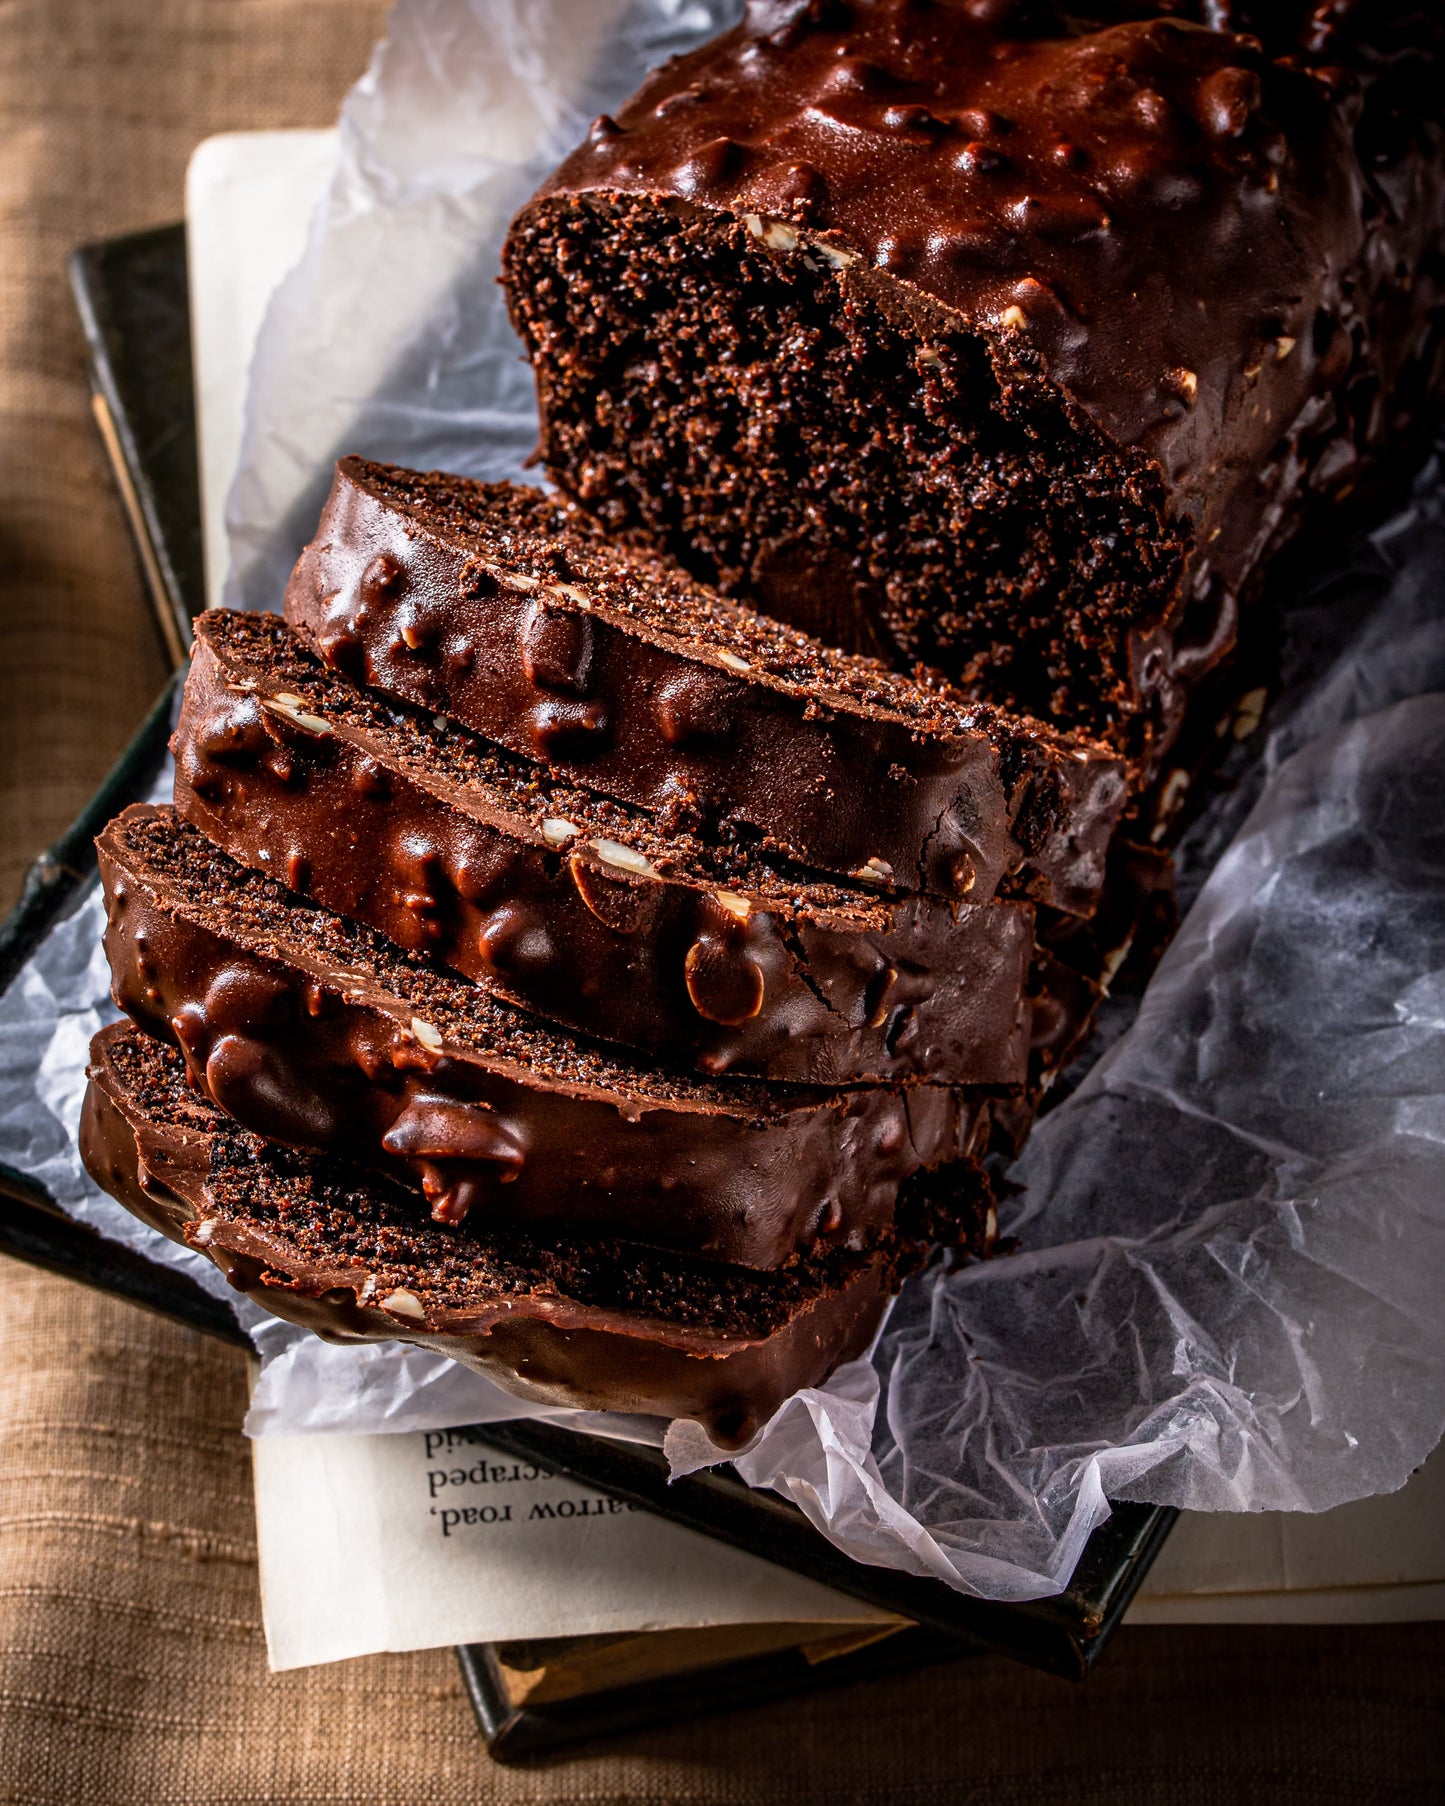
x=328, y=1214
x=442, y=750
x=726, y=404
x=272, y=921
x=487, y=521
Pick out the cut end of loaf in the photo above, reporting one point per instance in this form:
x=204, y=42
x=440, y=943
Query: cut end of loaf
x=876, y=473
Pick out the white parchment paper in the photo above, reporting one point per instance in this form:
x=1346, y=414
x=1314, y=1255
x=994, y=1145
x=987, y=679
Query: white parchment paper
x=1231, y=1236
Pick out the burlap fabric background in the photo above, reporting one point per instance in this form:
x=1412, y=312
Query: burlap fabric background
x=132, y=1669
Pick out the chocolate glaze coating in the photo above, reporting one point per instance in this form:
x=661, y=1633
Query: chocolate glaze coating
x=317, y=1033
x=453, y=596
x=1222, y=255
x=578, y=908
x=185, y=1171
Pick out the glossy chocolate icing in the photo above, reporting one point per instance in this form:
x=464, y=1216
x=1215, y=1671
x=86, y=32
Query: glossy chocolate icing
x=689, y=1342
x=579, y=908
x=1221, y=254
x=318, y=1033
x=488, y=604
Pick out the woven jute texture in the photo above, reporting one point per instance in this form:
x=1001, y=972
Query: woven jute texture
x=101, y=104
x=132, y=1668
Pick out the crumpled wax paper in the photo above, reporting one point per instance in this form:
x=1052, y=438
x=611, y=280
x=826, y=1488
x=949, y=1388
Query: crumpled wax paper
x=1231, y=1235
x=391, y=338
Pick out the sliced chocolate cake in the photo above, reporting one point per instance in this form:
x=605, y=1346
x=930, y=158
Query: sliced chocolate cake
x=991, y=348
x=998, y=334
x=320, y=1033
x=352, y=1255
x=493, y=606
x=580, y=908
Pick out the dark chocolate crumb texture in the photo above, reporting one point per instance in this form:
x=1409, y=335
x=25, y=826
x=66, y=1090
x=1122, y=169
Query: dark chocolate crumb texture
x=351, y=1255
x=494, y=606
x=320, y=1033
x=580, y=908
x=1002, y=335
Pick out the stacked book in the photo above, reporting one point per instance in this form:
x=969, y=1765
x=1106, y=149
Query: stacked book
x=609, y=938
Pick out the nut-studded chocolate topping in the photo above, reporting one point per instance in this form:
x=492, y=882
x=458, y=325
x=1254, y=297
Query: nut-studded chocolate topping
x=438, y=590
x=319, y=1033
x=581, y=908
x=993, y=332
x=351, y=1255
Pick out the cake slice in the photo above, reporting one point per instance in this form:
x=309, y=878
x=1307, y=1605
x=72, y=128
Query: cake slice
x=351, y=1255
x=1008, y=337
x=580, y=908
x=495, y=607
x=320, y=1033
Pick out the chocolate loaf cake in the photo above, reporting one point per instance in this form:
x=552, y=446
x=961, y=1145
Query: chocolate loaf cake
x=492, y=605
x=320, y=1033
x=352, y=1256
x=581, y=908
x=995, y=334
x=993, y=349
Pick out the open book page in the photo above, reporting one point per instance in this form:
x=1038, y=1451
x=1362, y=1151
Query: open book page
x=1377, y=1561
x=409, y=1541
x=412, y=1541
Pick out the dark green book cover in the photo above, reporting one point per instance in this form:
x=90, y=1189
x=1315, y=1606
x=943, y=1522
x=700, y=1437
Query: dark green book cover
x=134, y=300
